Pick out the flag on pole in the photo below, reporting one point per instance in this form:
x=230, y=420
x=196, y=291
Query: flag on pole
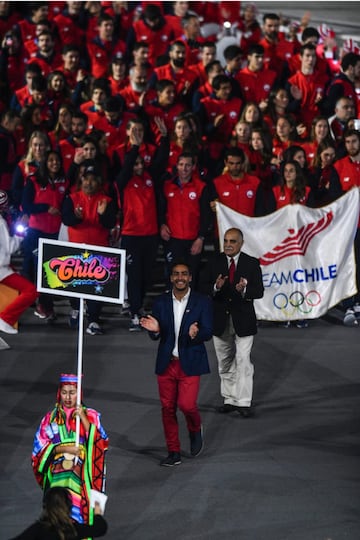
x=306, y=256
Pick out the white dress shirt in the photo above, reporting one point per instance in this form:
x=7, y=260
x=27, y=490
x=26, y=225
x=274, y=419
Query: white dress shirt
x=236, y=258
x=179, y=307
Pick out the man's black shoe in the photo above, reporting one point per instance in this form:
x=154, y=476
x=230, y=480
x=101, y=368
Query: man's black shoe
x=173, y=458
x=226, y=408
x=196, y=442
x=246, y=412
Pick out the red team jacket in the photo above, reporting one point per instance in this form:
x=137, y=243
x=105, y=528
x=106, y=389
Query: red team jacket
x=52, y=196
x=240, y=195
x=283, y=199
x=256, y=86
x=183, y=209
x=90, y=230
x=139, y=207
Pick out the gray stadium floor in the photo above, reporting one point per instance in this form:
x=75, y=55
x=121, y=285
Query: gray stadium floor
x=292, y=472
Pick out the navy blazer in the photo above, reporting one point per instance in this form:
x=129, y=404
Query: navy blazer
x=192, y=352
x=228, y=301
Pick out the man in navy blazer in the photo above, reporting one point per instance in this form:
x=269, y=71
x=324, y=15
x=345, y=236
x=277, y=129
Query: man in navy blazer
x=234, y=280
x=182, y=320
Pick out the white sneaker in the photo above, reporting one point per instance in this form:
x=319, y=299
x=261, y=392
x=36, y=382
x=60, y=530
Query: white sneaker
x=94, y=329
x=125, y=310
x=135, y=324
x=350, y=318
x=7, y=328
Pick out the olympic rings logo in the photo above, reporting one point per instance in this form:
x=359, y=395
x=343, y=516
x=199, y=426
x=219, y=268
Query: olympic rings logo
x=297, y=301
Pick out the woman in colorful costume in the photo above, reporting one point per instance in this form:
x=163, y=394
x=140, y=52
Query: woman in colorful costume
x=57, y=461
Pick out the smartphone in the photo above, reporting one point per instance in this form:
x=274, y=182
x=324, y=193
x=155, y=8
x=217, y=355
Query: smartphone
x=357, y=124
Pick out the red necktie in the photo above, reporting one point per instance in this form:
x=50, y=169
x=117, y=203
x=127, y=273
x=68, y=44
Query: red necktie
x=231, y=270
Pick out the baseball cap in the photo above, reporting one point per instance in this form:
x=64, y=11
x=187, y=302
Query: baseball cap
x=90, y=168
x=118, y=57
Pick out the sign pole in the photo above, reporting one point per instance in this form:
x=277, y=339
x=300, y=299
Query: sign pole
x=87, y=272
x=79, y=366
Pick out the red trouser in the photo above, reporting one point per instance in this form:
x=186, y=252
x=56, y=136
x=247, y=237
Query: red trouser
x=27, y=296
x=176, y=389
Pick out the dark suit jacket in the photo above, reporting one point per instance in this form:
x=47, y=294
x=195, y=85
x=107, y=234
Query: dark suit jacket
x=192, y=352
x=228, y=301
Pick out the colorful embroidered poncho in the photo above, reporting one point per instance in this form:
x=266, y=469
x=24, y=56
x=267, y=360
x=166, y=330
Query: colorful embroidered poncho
x=51, y=466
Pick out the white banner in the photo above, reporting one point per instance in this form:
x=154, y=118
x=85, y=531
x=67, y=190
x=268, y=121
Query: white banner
x=306, y=256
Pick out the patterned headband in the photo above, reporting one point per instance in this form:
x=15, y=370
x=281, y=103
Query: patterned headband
x=68, y=378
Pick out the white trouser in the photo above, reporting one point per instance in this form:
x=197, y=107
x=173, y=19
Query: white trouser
x=235, y=368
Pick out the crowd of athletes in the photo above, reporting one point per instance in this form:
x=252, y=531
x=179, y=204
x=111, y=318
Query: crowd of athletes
x=123, y=122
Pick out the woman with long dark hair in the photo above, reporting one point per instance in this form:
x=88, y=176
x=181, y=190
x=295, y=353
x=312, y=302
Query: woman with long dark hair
x=325, y=184
x=277, y=107
x=260, y=155
x=252, y=115
x=62, y=129
x=297, y=153
x=42, y=199
x=320, y=131
x=285, y=136
x=184, y=139
x=55, y=522
x=292, y=188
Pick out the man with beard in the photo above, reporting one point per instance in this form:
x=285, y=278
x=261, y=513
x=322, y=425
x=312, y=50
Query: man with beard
x=140, y=54
x=176, y=70
x=114, y=121
x=182, y=320
x=46, y=56
x=348, y=171
x=68, y=146
x=270, y=41
x=136, y=93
